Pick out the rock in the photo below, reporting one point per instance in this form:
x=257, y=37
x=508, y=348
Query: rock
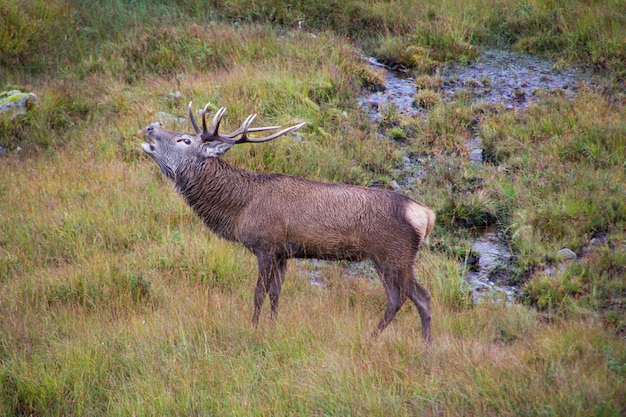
x=567, y=254
x=593, y=244
x=394, y=185
x=480, y=286
x=175, y=96
x=169, y=119
x=476, y=156
x=16, y=102
x=598, y=241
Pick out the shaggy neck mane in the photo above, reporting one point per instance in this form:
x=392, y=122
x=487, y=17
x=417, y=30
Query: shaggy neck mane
x=217, y=192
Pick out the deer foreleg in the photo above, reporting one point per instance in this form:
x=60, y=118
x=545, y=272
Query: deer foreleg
x=271, y=277
x=276, y=285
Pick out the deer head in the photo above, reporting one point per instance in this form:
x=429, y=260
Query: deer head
x=173, y=150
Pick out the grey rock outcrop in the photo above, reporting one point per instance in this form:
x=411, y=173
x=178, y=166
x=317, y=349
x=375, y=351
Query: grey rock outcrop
x=15, y=102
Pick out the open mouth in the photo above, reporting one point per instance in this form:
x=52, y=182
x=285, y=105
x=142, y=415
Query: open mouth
x=148, y=147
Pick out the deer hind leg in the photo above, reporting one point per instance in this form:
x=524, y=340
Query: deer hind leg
x=420, y=296
x=392, y=282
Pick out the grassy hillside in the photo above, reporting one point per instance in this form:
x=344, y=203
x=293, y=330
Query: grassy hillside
x=115, y=301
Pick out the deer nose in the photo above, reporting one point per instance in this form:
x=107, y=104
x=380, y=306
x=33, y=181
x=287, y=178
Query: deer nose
x=151, y=128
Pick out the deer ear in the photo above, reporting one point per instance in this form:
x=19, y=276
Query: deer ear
x=215, y=148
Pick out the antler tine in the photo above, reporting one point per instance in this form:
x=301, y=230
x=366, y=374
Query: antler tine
x=215, y=124
x=244, y=138
x=193, y=119
x=262, y=129
x=203, y=113
x=244, y=129
x=244, y=126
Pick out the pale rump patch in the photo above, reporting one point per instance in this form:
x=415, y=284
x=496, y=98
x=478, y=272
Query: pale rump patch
x=421, y=218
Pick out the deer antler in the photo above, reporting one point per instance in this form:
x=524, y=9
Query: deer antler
x=193, y=119
x=243, y=131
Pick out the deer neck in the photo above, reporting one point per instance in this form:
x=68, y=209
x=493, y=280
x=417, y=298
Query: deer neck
x=217, y=192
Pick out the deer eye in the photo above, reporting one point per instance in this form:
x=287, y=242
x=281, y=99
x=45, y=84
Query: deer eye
x=186, y=140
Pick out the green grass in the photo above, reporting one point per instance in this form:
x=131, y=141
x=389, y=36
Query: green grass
x=114, y=299
x=40, y=37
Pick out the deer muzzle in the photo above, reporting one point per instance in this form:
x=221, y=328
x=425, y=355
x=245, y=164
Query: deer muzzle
x=148, y=147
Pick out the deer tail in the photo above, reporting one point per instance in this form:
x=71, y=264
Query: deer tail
x=422, y=219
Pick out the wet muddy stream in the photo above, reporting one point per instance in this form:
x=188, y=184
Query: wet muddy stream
x=497, y=77
x=492, y=253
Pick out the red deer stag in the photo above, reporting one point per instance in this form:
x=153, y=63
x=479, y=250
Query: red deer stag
x=278, y=217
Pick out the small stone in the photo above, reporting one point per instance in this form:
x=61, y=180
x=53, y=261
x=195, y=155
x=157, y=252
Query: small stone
x=481, y=287
x=568, y=254
x=16, y=102
x=598, y=241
